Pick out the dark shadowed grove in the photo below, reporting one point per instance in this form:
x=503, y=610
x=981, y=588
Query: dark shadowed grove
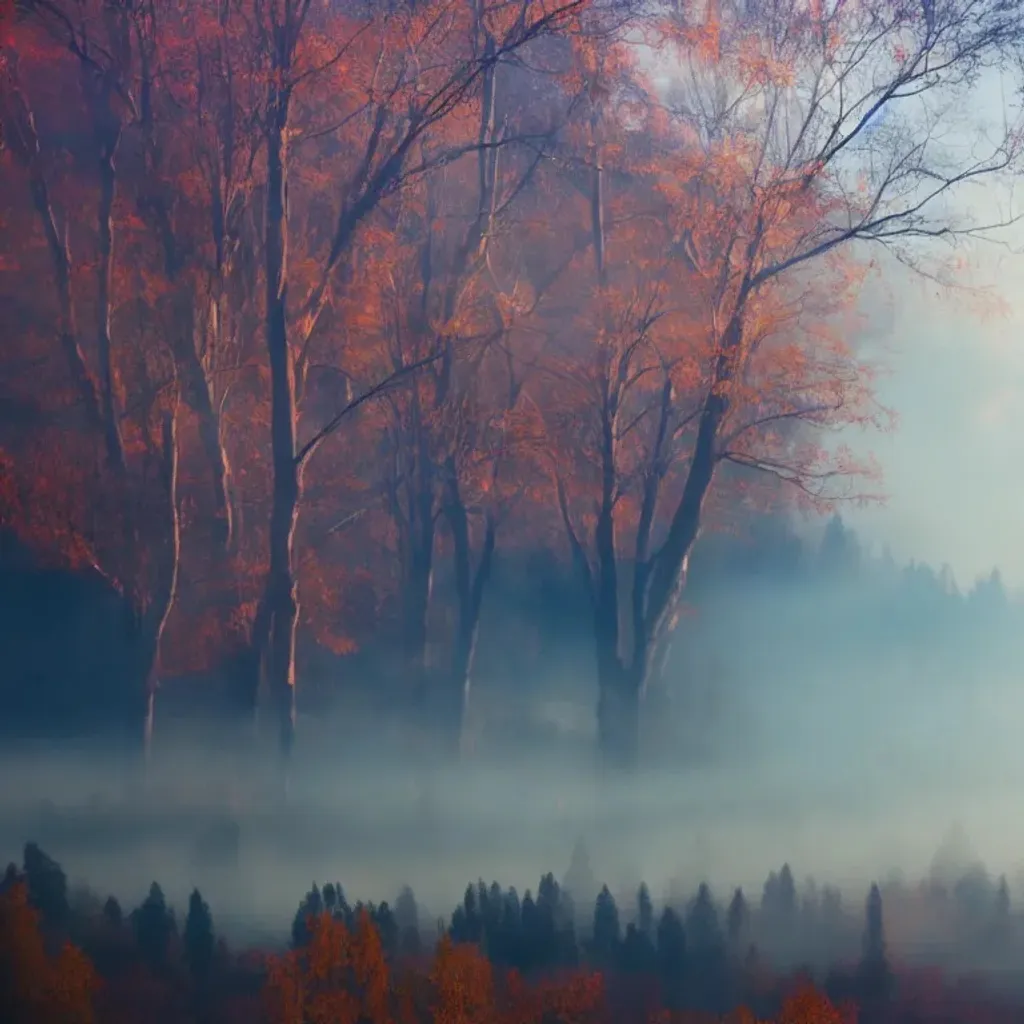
x=426, y=428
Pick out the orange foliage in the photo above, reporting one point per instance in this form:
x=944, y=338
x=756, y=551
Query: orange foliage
x=340, y=978
x=580, y=266
x=36, y=988
x=806, y=1005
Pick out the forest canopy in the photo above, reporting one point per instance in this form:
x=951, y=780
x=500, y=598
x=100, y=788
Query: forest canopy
x=312, y=312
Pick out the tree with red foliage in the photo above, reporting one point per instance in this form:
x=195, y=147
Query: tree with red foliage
x=726, y=347
x=430, y=71
x=36, y=988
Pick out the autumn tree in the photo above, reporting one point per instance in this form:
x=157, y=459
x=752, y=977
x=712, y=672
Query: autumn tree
x=194, y=161
x=186, y=170
x=793, y=137
x=92, y=461
x=443, y=286
x=339, y=975
x=406, y=73
x=35, y=986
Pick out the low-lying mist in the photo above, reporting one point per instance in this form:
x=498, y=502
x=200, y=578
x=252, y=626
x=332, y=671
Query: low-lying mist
x=799, y=739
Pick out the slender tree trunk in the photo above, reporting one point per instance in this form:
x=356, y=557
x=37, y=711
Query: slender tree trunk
x=142, y=670
x=232, y=508
x=281, y=596
x=611, y=686
x=668, y=575
x=664, y=579
x=197, y=394
x=618, y=701
x=108, y=139
x=156, y=202
x=24, y=142
x=250, y=666
x=154, y=620
x=469, y=587
x=417, y=589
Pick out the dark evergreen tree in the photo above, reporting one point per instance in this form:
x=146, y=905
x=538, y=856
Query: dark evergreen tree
x=632, y=955
x=639, y=955
x=706, y=955
x=47, y=885
x=556, y=936
x=607, y=933
x=198, y=940
x=738, y=922
x=113, y=917
x=154, y=928
x=645, y=912
x=528, y=929
x=1002, y=906
x=330, y=898
x=672, y=955
x=310, y=908
x=471, y=926
x=787, y=895
x=407, y=918
x=341, y=906
x=510, y=948
x=874, y=975
x=387, y=928
x=11, y=877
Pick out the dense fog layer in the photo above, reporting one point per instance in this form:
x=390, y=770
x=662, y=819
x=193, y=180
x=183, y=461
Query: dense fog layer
x=825, y=708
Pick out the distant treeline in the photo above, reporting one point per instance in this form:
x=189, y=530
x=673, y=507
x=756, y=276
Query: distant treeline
x=546, y=957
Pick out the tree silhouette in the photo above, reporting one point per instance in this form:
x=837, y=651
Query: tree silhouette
x=199, y=941
x=154, y=928
x=874, y=974
x=672, y=957
x=607, y=934
x=407, y=918
x=738, y=921
x=47, y=885
x=311, y=907
x=644, y=911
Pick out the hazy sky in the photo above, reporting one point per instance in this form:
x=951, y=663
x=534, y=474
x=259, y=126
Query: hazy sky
x=954, y=465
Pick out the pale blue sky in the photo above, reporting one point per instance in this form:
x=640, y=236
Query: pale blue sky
x=954, y=466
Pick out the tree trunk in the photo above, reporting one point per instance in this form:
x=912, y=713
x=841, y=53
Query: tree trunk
x=662, y=582
x=668, y=575
x=469, y=587
x=417, y=589
x=196, y=388
x=24, y=142
x=248, y=670
x=108, y=139
x=149, y=719
x=618, y=716
x=151, y=626
x=281, y=597
x=156, y=202
x=142, y=669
